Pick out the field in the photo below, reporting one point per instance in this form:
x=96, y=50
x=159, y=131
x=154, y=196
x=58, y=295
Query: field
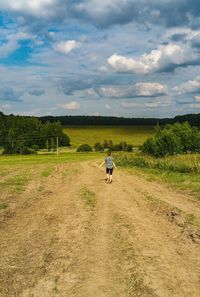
x=135, y=135
x=65, y=232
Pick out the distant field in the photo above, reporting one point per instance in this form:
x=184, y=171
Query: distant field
x=135, y=135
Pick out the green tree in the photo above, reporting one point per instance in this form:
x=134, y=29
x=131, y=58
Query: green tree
x=47, y=145
x=84, y=148
x=52, y=144
x=98, y=147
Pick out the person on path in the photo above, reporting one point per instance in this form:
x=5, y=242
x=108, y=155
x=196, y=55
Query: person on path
x=109, y=162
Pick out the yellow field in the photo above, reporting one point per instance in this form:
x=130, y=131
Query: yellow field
x=135, y=135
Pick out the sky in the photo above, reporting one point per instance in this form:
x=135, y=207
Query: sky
x=125, y=58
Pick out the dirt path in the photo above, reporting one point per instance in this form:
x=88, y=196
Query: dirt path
x=81, y=237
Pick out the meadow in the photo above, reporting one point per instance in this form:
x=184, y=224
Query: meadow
x=135, y=135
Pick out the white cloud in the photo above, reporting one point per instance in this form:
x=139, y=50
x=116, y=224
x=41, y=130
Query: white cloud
x=150, y=89
x=71, y=105
x=12, y=43
x=191, y=86
x=34, y=8
x=142, y=89
x=164, y=58
x=107, y=106
x=65, y=47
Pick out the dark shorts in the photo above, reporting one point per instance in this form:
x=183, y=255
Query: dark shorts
x=109, y=171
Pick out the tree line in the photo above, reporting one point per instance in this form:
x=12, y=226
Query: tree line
x=107, y=145
x=24, y=135
x=193, y=119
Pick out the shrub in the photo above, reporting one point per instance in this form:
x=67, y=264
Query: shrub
x=36, y=148
x=84, y=148
x=98, y=147
x=173, y=139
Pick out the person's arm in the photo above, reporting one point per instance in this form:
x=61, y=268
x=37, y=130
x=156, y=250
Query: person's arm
x=114, y=165
x=102, y=163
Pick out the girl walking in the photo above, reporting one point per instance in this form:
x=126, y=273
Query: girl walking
x=109, y=162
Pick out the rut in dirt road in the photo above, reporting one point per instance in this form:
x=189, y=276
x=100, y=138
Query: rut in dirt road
x=82, y=237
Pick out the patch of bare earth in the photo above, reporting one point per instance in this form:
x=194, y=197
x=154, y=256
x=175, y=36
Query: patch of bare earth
x=75, y=235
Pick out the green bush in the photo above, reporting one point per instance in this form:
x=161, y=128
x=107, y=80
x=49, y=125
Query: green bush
x=173, y=139
x=84, y=148
x=98, y=147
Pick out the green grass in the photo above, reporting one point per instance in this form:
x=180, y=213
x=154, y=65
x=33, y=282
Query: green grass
x=46, y=159
x=135, y=135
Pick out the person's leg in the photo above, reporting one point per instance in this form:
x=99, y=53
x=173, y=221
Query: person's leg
x=110, y=173
x=107, y=175
x=110, y=178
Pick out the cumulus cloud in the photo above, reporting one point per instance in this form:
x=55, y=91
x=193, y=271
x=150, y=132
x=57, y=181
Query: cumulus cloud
x=65, y=47
x=165, y=58
x=192, y=86
x=70, y=106
x=142, y=89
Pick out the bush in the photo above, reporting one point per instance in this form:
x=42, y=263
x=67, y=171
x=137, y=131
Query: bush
x=84, y=148
x=173, y=139
x=98, y=147
x=36, y=148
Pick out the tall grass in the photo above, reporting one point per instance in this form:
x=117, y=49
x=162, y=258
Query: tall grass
x=188, y=163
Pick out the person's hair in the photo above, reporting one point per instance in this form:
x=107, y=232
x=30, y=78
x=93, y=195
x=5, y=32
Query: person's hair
x=109, y=153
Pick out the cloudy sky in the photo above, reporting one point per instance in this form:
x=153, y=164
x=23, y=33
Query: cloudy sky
x=111, y=57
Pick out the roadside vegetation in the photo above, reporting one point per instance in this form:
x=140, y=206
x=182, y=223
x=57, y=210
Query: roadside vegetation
x=180, y=171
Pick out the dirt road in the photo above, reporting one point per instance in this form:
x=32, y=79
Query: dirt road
x=75, y=235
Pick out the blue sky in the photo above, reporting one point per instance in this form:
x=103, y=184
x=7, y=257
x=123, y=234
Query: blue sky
x=110, y=57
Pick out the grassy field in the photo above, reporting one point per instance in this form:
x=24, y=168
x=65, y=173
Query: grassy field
x=135, y=135
x=45, y=159
x=181, y=171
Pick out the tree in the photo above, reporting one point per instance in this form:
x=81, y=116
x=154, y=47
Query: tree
x=84, y=148
x=98, y=147
x=47, y=145
x=173, y=139
x=52, y=144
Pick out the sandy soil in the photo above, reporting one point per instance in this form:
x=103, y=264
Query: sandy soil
x=75, y=235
